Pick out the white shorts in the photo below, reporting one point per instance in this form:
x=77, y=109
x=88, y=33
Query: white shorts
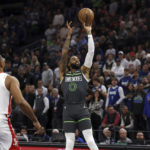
x=8, y=139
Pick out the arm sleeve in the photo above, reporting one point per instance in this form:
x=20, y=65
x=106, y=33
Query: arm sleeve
x=121, y=94
x=90, y=54
x=46, y=103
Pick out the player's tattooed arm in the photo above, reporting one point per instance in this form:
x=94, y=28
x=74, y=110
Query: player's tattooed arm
x=64, y=59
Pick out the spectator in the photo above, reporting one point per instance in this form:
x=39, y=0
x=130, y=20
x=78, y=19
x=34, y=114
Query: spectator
x=41, y=106
x=50, y=32
x=29, y=95
x=34, y=61
x=58, y=18
x=125, y=80
x=111, y=118
x=99, y=62
x=124, y=61
x=137, y=107
x=135, y=79
x=98, y=86
x=110, y=63
x=140, y=140
x=40, y=85
x=118, y=70
x=8, y=67
x=56, y=106
x=47, y=75
x=96, y=112
x=115, y=94
x=126, y=119
x=37, y=74
x=79, y=137
x=23, y=135
x=111, y=49
x=144, y=72
x=129, y=95
x=134, y=62
x=107, y=137
x=123, y=137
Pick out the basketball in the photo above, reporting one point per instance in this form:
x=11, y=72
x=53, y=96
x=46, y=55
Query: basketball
x=86, y=15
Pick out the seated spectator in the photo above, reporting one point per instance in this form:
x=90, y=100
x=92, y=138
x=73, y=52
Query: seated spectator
x=107, y=137
x=126, y=119
x=123, y=137
x=79, y=137
x=115, y=94
x=57, y=136
x=23, y=135
x=111, y=118
x=140, y=140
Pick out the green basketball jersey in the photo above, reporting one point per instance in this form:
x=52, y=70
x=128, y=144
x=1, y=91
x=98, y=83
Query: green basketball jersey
x=74, y=87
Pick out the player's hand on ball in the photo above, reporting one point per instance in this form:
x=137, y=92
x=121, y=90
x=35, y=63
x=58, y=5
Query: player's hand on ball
x=87, y=28
x=70, y=29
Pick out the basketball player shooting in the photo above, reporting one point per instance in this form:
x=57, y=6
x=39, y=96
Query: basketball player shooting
x=9, y=87
x=74, y=84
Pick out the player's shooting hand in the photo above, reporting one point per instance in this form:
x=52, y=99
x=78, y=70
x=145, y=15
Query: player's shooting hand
x=39, y=129
x=70, y=29
x=87, y=28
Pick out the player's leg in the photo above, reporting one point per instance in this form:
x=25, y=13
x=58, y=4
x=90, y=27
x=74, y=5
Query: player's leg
x=70, y=139
x=88, y=136
x=14, y=142
x=5, y=135
x=69, y=126
x=84, y=124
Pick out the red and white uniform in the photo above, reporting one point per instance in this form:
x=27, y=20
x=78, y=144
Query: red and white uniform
x=8, y=139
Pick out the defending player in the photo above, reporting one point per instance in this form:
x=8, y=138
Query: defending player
x=9, y=87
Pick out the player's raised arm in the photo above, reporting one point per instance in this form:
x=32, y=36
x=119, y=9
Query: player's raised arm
x=13, y=86
x=90, y=54
x=64, y=58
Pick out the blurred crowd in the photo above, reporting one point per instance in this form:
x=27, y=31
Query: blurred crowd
x=118, y=96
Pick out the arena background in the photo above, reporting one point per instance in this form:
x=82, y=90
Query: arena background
x=31, y=37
